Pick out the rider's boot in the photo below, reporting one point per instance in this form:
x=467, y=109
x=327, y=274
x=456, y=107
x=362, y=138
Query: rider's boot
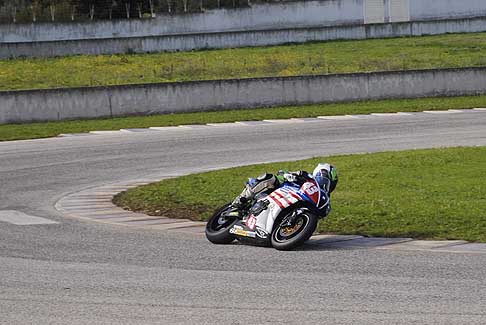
x=239, y=205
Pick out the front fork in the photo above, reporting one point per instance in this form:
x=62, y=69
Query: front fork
x=290, y=219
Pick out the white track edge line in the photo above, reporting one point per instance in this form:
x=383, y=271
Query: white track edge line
x=270, y=121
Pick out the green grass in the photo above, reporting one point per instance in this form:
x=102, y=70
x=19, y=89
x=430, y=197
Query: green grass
x=431, y=194
x=50, y=129
x=452, y=50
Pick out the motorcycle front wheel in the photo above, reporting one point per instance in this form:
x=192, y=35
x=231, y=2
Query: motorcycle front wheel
x=287, y=237
x=219, y=225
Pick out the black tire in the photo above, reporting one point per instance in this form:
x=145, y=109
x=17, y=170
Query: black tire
x=218, y=227
x=288, y=241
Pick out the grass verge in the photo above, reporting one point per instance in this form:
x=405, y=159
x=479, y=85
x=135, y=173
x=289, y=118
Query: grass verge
x=451, y=50
x=50, y=129
x=428, y=194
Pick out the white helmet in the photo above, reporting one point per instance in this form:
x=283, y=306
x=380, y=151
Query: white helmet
x=326, y=176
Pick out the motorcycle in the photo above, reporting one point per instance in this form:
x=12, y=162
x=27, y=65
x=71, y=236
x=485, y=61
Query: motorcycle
x=284, y=218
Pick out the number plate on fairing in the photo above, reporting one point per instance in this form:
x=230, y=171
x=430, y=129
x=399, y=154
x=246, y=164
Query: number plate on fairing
x=312, y=191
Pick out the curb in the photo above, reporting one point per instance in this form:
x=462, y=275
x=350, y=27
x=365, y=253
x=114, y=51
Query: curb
x=272, y=122
x=95, y=204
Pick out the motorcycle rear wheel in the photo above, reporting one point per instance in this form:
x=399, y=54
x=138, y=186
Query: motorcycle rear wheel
x=286, y=238
x=218, y=227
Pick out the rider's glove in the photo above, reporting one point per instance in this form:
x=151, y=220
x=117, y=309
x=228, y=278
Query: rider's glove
x=290, y=177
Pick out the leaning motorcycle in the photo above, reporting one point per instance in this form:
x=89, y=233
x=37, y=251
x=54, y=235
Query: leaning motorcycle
x=284, y=218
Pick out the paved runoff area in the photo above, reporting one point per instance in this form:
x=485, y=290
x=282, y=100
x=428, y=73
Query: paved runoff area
x=98, y=264
x=22, y=219
x=96, y=204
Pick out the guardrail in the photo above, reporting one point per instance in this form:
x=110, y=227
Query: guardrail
x=160, y=98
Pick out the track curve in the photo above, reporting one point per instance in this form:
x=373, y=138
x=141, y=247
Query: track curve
x=80, y=272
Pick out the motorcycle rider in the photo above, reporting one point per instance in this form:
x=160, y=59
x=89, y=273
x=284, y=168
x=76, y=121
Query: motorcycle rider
x=324, y=174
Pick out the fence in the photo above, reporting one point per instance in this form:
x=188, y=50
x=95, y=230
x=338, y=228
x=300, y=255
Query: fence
x=76, y=103
x=27, y=11
x=374, y=11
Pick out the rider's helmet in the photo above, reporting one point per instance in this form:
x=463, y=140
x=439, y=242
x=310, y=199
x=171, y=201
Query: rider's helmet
x=326, y=176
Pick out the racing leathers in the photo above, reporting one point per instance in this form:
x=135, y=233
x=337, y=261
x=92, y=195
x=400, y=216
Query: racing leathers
x=269, y=182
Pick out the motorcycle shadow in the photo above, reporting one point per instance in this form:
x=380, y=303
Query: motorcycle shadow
x=349, y=242
x=341, y=242
x=313, y=244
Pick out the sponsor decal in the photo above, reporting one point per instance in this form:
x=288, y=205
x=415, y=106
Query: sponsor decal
x=238, y=231
x=251, y=222
x=261, y=233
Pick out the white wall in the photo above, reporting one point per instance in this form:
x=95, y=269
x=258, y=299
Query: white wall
x=260, y=25
x=444, y=9
x=259, y=16
x=379, y=11
x=187, y=42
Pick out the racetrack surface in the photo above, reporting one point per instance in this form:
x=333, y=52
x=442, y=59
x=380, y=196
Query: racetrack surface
x=79, y=272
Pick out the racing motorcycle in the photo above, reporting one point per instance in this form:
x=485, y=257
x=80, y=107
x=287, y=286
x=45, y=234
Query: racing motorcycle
x=284, y=218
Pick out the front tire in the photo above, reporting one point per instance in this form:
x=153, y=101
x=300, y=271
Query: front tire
x=218, y=227
x=286, y=238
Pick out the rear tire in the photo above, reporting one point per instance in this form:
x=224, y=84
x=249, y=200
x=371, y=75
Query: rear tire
x=218, y=227
x=288, y=238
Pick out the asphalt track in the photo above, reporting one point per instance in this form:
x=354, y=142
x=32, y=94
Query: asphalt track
x=80, y=272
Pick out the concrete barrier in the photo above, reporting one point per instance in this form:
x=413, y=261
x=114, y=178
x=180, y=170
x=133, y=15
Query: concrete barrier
x=96, y=102
x=188, y=42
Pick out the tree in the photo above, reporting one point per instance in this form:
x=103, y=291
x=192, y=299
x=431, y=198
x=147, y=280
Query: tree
x=108, y=9
x=11, y=8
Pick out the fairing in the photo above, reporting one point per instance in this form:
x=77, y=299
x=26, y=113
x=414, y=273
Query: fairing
x=259, y=226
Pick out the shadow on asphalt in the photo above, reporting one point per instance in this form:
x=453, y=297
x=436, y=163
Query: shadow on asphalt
x=336, y=242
